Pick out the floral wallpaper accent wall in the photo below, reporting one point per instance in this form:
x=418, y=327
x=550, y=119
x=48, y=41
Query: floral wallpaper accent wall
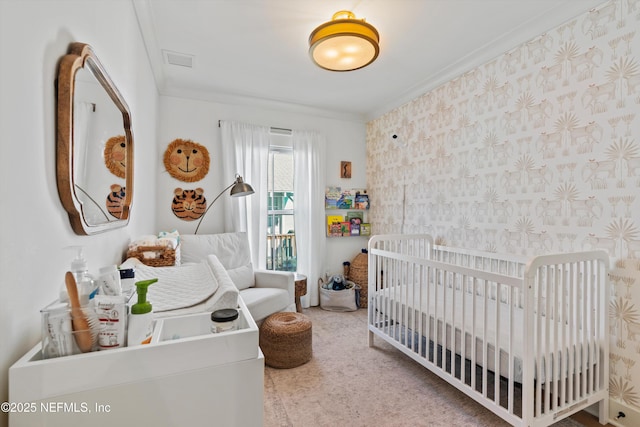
x=536, y=151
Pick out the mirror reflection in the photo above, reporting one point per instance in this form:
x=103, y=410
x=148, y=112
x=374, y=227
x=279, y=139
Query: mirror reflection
x=95, y=145
x=100, y=150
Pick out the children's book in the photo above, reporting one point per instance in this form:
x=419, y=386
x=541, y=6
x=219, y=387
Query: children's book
x=333, y=220
x=345, y=201
x=361, y=200
x=346, y=228
x=331, y=197
x=355, y=229
x=335, y=230
x=365, y=229
x=355, y=217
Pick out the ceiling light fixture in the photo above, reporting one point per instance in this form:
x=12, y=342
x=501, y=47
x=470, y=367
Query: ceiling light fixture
x=344, y=43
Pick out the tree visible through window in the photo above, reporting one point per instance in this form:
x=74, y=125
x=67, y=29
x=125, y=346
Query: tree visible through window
x=281, y=236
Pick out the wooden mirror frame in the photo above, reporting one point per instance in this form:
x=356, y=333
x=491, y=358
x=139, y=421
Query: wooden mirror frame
x=81, y=55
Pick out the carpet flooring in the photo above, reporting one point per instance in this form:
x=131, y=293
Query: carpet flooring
x=347, y=383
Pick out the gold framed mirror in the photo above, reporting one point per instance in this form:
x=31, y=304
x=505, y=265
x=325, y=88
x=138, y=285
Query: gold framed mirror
x=94, y=153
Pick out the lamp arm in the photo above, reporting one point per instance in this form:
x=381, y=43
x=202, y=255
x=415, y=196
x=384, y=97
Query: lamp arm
x=211, y=205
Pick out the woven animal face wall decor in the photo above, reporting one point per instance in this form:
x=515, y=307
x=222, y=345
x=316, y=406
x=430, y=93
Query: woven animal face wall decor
x=186, y=160
x=188, y=205
x=115, y=200
x=115, y=155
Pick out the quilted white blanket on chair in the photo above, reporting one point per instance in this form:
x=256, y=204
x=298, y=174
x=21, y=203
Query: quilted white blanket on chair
x=190, y=288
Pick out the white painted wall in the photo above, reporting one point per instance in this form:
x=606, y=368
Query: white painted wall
x=35, y=227
x=198, y=121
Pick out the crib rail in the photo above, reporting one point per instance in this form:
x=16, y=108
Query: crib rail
x=527, y=341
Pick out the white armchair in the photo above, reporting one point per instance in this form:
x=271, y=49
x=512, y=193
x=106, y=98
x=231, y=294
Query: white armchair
x=263, y=291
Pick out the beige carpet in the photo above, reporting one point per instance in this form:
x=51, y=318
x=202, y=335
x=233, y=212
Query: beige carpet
x=346, y=383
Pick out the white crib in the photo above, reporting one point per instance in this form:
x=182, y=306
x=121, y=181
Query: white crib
x=450, y=309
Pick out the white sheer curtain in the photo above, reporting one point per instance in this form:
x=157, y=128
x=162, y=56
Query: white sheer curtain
x=82, y=125
x=308, y=190
x=86, y=150
x=245, y=151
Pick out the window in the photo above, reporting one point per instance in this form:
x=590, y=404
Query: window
x=281, y=237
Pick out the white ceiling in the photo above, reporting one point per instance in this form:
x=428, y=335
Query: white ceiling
x=256, y=51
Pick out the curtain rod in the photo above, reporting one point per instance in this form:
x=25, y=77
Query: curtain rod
x=282, y=131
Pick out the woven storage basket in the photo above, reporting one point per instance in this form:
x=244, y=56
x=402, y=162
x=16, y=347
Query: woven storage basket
x=286, y=340
x=164, y=255
x=359, y=274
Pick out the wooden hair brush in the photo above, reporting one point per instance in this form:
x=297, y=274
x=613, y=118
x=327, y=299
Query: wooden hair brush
x=85, y=326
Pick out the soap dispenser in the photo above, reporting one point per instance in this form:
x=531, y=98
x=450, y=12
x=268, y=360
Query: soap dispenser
x=86, y=285
x=140, y=327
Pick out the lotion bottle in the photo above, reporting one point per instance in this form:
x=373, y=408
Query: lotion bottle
x=109, y=281
x=140, y=327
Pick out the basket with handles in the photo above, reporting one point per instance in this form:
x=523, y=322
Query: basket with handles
x=339, y=300
x=161, y=256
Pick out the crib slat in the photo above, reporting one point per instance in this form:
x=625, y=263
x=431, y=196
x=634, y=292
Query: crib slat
x=546, y=358
x=474, y=348
x=498, y=344
x=463, y=333
x=563, y=321
x=597, y=321
x=585, y=328
x=452, y=336
x=510, y=358
x=419, y=313
x=594, y=333
x=594, y=327
x=558, y=349
x=404, y=305
x=485, y=355
x=573, y=332
x=443, y=324
x=538, y=345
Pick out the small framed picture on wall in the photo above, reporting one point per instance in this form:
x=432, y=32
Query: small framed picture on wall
x=345, y=169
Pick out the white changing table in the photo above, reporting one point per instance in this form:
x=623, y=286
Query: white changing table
x=186, y=377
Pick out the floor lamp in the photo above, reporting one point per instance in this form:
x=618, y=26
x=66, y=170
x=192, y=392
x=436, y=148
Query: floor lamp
x=239, y=188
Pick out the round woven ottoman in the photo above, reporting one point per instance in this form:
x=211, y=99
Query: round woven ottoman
x=285, y=340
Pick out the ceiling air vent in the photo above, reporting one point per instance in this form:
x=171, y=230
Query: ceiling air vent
x=176, y=58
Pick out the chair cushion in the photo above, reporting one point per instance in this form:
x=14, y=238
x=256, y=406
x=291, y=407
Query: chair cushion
x=232, y=250
x=242, y=277
x=262, y=302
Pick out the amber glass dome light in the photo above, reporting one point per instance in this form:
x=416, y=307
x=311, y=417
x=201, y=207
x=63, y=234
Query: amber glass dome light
x=344, y=43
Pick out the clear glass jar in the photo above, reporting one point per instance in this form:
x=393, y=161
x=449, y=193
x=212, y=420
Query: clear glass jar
x=224, y=320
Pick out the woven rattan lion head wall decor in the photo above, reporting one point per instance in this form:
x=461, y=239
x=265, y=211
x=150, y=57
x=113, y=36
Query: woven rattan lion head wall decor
x=115, y=155
x=189, y=205
x=186, y=160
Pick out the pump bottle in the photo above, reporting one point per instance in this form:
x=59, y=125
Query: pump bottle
x=140, y=326
x=86, y=285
